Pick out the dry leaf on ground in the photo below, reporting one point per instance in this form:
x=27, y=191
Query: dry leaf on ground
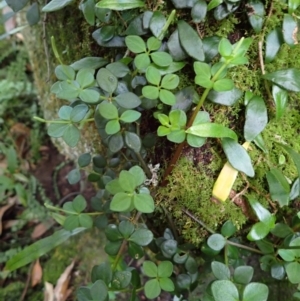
x=11, y=202
x=36, y=274
x=42, y=228
x=48, y=292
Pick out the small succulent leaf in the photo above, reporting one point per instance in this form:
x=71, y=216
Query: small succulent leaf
x=278, y=186
x=78, y=113
x=256, y=13
x=121, y=280
x=71, y=135
x=99, y=291
x=255, y=292
x=214, y=130
x=142, y=61
x=89, y=62
x=176, y=136
x=128, y=100
x=150, y=92
x=225, y=48
x=106, y=80
x=286, y=254
x=227, y=98
x=198, y=12
x=153, y=44
x=85, y=77
x=138, y=174
x=112, y=127
x=293, y=5
x=202, y=68
x=157, y=23
x=228, y=228
x=216, y=242
x=213, y=3
x=64, y=72
x=141, y=237
x=174, y=47
x=89, y=96
x=178, y=117
x=64, y=112
x=74, y=176
x=112, y=233
x=224, y=84
x=130, y=116
x=102, y=272
x=195, y=141
x=280, y=97
x=85, y=221
x=166, y=284
x=278, y=271
x=243, y=274
x=190, y=41
x=55, y=5
x=258, y=231
x=71, y=222
x=118, y=69
x=163, y=131
x=150, y=269
x=281, y=230
x=224, y=290
x=127, y=181
x=133, y=141
x=163, y=119
x=220, y=270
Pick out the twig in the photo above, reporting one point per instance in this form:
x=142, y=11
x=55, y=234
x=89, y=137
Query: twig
x=27, y=283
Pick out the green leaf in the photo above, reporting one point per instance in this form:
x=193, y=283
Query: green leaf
x=213, y=3
x=163, y=131
x=150, y=92
x=153, y=44
x=85, y=77
x=255, y=292
x=127, y=181
x=133, y=141
x=174, y=47
x=136, y=27
x=112, y=248
x=170, y=81
x=166, y=284
x=256, y=118
x=278, y=271
x=224, y=290
x=88, y=9
x=220, y=270
x=165, y=269
x=211, y=130
x=78, y=113
x=169, y=248
x=262, y=213
x=74, y=176
x=16, y=5
x=161, y=58
x=79, y=203
x=225, y=48
x=280, y=97
x=157, y=23
x=227, y=98
x=183, y=281
x=278, y=186
x=138, y=174
x=33, y=14
x=56, y=5
x=204, y=81
x=102, y=272
x=121, y=202
x=64, y=72
x=116, y=143
x=199, y=11
x=293, y=5
x=167, y=97
x=228, y=229
x=65, y=112
x=274, y=40
x=71, y=222
x=216, y=242
x=141, y=237
x=243, y=274
x=281, y=230
x=39, y=248
x=106, y=80
x=224, y=84
x=177, y=118
x=135, y=44
x=202, y=68
x=144, y=203
x=150, y=269
x=287, y=255
x=142, y=61
x=289, y=30
x=265, y=246
x=126, y=228
x=71, y=135
x=112, y=233
x=99, y=291
x=89, y=96
x=121, y=279
x=152, y=289
x=118, y=69
x=195, y=141
x=68, y=90
x=258, y=231
x=120, y=4
x=176, y=136
x=153, y=76
x=237, y=156
x=190, y=41
x=84, y=159
x=85, y=220
x=287, y=79
x=113, y=127
x=256, y=13
x=128, y=100
x=108, y=110
x=130, y=116
x=90, y=62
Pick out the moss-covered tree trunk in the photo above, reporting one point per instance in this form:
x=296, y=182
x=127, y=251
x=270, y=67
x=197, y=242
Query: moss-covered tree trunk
x=73, y=40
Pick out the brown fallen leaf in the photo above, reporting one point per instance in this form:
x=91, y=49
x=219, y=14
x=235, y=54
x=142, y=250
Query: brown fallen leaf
x=42, y=228
x=48, y=292
x=11, y=202
x=36, y=274
x=61, y=291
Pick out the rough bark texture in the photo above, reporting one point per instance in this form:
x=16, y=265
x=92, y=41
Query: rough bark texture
x=73, y=39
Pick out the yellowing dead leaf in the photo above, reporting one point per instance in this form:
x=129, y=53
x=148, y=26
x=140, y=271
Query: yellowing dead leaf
x=49, y=292
x=36, y=274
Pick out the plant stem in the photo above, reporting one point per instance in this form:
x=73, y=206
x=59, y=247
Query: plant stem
x=167, y=24
x=229, y=242
x=144, y=165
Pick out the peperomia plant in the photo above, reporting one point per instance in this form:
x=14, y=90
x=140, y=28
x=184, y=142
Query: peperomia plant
x=163, y=73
